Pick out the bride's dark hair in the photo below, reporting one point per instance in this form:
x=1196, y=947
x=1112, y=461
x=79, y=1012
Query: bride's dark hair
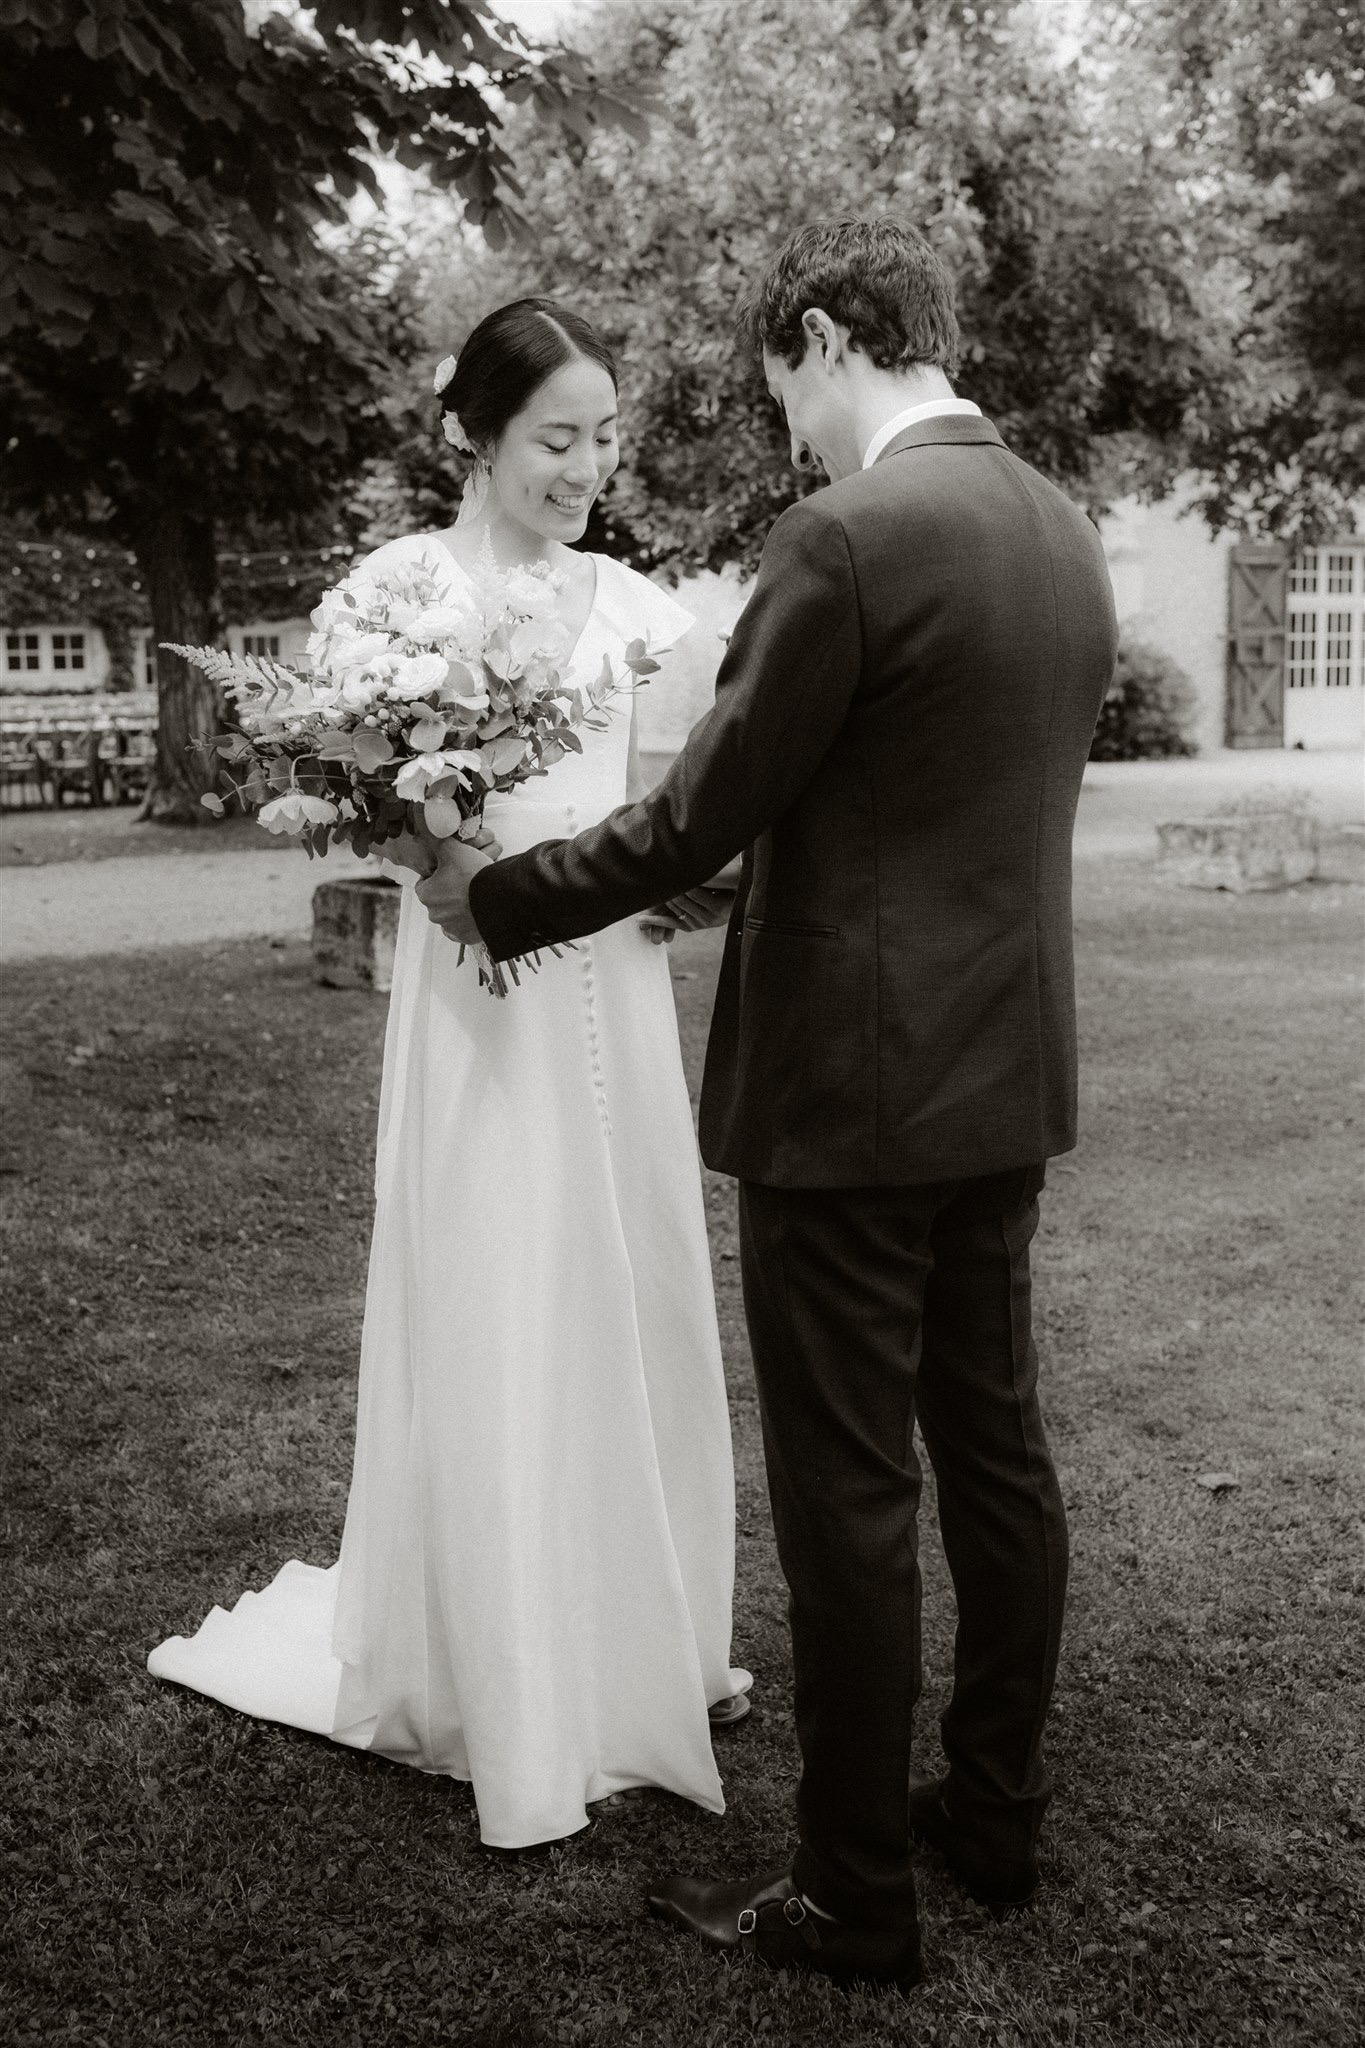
x=507, y=358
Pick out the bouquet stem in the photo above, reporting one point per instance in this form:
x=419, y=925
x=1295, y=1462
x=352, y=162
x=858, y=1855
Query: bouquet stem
x=491, y=974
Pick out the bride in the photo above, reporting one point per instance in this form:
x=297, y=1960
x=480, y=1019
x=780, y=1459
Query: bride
x=534, y=1587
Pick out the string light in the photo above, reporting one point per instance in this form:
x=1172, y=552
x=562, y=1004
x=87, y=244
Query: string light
x=296, y=559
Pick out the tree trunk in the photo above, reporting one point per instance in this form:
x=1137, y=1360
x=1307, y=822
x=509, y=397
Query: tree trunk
x=176, y=555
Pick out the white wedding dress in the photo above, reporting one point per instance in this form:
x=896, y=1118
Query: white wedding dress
x=535, y=1580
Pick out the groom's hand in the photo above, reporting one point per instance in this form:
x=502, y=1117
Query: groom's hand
x=709, y=903
x=691, y=912
x=445, y=892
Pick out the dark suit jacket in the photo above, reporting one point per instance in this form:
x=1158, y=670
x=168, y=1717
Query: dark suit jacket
x=900, y=728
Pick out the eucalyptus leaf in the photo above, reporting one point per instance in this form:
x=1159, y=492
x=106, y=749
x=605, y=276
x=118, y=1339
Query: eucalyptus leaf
x=443, y=816
x=371, y=749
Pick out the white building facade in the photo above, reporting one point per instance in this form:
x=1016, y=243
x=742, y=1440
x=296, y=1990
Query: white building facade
x=1273, y=643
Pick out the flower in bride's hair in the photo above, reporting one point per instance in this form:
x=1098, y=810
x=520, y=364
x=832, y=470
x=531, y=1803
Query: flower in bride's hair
x=445, y=370
x=455, y=433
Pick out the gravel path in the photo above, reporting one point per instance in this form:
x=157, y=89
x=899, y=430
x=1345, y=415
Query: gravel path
x=179, y=899
x=73, y=906
x=1123, y=802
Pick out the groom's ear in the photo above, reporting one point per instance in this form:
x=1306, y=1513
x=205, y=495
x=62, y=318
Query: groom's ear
x=822, y=335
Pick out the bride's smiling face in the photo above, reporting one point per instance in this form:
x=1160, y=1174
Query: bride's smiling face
x=554, y=456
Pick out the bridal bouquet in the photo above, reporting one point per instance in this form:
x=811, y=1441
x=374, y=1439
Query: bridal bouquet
x=414, y=706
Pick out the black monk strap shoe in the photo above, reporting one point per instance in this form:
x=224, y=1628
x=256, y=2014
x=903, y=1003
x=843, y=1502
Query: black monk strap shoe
x=766, y=1917
x=1002, y=1884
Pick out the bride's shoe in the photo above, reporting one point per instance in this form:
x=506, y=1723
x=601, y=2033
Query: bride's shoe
x=724, y=1713
x=629, y=1795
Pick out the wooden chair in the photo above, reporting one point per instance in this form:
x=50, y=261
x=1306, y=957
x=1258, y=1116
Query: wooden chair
x=67, y=764
x=21, y=782
x=126, y=761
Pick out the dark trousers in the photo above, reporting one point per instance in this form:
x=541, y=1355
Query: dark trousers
x=869, y=1309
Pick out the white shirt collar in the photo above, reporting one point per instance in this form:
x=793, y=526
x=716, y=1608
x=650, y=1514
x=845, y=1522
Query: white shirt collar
x=909, y=418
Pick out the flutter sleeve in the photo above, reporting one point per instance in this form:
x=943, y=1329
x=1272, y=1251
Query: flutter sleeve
x=638, y=608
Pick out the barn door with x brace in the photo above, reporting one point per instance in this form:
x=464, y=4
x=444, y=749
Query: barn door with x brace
x=1257, y=578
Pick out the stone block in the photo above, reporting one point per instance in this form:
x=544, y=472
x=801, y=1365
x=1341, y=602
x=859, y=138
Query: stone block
x=355, y=931
x=1262, y=849
x=1341, y=854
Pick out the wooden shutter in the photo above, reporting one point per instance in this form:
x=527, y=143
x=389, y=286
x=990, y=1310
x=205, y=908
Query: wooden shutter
x=1257, y=577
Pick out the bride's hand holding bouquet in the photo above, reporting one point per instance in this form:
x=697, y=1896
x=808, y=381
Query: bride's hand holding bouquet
x=416, y=705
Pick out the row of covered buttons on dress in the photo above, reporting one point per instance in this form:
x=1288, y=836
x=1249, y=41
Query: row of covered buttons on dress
x=586, y=958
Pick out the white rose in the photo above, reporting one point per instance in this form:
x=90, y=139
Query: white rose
x=534, y=597
x=439, y=622
x=416, y=675
x=357, y=650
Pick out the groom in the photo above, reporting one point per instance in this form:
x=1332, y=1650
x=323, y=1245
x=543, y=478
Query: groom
x=900, y=728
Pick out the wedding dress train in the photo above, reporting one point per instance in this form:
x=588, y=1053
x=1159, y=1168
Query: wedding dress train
x=534, y=1587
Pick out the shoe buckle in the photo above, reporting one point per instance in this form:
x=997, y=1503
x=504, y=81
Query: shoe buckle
x=748, y=1921
x=795, y=1914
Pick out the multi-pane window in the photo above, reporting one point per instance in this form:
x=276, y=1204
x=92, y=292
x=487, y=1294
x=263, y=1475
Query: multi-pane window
x=1301, y=664
x=1326, y=618
x=261, y=643
x=144, y=662
x=1337, y=649
x=23, y=651
x=53, y=653
x=68, y=650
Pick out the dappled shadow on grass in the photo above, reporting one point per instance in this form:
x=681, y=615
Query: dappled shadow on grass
x=186, y=1149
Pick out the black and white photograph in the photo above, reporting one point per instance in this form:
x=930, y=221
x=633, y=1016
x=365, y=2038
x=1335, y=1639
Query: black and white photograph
x=682, y=1060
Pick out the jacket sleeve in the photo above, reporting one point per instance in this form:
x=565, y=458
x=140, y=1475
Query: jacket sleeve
x=783, y=692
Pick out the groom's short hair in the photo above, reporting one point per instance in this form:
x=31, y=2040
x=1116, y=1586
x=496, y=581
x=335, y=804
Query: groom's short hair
x=878, y=278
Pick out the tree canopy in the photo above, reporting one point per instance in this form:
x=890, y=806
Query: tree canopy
x=1261, y=103
x=192, y=337
x=1089, y=322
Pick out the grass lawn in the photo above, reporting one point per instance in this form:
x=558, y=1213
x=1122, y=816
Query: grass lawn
x=184, y=1170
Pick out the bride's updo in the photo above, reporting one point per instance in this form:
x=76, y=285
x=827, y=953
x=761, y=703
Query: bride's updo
x=506, y=359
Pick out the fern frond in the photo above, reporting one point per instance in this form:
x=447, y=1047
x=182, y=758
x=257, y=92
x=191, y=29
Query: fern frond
x=236, y=672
